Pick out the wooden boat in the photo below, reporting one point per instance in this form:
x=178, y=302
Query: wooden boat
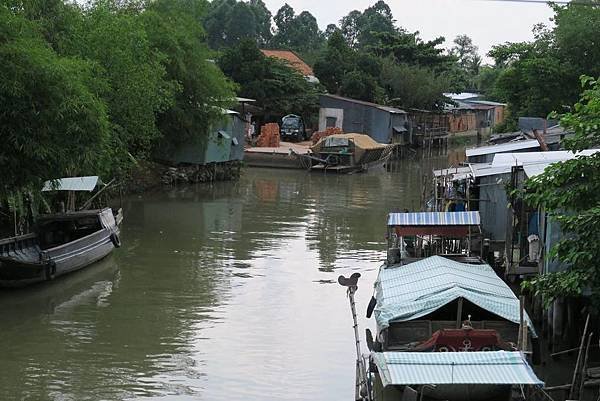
x=447, y=327
x=465, y=311
x=60, y=243
x=347, y=153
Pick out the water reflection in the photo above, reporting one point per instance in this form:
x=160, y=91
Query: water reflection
x=221, y=292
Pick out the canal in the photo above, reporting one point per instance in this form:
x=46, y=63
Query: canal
x=222, y=291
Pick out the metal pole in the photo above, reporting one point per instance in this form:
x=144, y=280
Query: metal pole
x=362, y=391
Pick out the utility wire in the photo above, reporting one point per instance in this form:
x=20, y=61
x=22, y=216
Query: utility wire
x=562, y=2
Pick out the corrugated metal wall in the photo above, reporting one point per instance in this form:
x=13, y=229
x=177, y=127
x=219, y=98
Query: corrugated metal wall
x=493, y=205
x=364, y=119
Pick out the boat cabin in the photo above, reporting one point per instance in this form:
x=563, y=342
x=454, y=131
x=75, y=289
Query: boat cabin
x=412, y=236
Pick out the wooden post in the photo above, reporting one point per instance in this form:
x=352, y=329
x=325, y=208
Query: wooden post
x=521, y=319
x=459, y=313
x=584, y=367
x=579, y=355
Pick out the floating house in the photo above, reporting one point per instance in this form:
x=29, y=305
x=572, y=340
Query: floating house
x=224, y=143
x=382, y=123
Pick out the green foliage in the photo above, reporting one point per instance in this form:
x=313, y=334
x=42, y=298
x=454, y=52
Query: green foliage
x=52, y=123
x=87, y=90
x=359, y=85
x=413, y=86
x=296, y=32
x=135, y=89
x=228, y=21
x=541, y=76
x=370, y=59
x=277, y=87
x=174, y=28
x=570, y=193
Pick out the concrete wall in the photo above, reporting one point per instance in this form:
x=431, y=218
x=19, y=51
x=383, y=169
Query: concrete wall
x=325, y=112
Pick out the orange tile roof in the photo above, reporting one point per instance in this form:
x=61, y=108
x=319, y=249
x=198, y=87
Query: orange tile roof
x=292, y=58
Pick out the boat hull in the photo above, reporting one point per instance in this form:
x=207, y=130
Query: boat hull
x=58, y=261
x=450, y=392
x=24, y=260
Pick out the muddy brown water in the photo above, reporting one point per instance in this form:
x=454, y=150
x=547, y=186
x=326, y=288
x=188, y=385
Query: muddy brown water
x=220, y=292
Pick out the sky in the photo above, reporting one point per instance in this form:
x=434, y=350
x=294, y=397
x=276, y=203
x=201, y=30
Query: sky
x=486, y=22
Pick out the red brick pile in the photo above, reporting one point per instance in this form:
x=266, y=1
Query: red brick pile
x=269, y=136
x=322, y=134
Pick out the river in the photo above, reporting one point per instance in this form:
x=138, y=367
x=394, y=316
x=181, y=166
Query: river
x=223, y=291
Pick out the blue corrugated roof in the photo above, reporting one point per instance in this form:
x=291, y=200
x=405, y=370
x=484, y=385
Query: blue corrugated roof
x=414, y=290
x=492, y=367
x=434, y=219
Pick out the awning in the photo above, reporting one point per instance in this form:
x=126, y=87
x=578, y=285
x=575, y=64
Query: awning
x=400, y=128
x=419, y=288
x=491, y=367
x=72, y=184
x=434, y=219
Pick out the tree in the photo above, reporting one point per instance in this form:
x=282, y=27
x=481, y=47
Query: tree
x=540, y=76
x=570, y=193
x=174, y=29
x=376, y=19
x=53, y=123
x=297, y=32
x=136, y=89
x=284, y=22
x=350, y=26
x=334, y=62
x=358, y=85
x=216, y=22
x=412, y=86
x=241, y=24
x=262, y=17
x=329, y=30
x=275, y=85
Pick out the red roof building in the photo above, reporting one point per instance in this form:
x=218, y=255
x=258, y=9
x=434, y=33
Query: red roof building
x=292, y=58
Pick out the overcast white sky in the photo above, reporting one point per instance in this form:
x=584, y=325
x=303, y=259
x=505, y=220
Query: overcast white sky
x=486, y=22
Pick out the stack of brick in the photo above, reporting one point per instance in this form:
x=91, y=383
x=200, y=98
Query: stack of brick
x=269, y=136
x=322, y=134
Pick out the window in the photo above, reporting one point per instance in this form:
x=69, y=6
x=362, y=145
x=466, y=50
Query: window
x=330, y=122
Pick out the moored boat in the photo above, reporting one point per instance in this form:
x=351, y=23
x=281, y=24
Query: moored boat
x=62, y=242
x=464, y=311
x=347, y=153
x=447, y=327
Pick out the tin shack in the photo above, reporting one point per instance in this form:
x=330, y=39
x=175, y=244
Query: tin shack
x=382, y=123
x=224, y=143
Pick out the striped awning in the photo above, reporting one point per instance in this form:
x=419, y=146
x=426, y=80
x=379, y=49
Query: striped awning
x=417, y=289
x=491, y=367
x=434, y=219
